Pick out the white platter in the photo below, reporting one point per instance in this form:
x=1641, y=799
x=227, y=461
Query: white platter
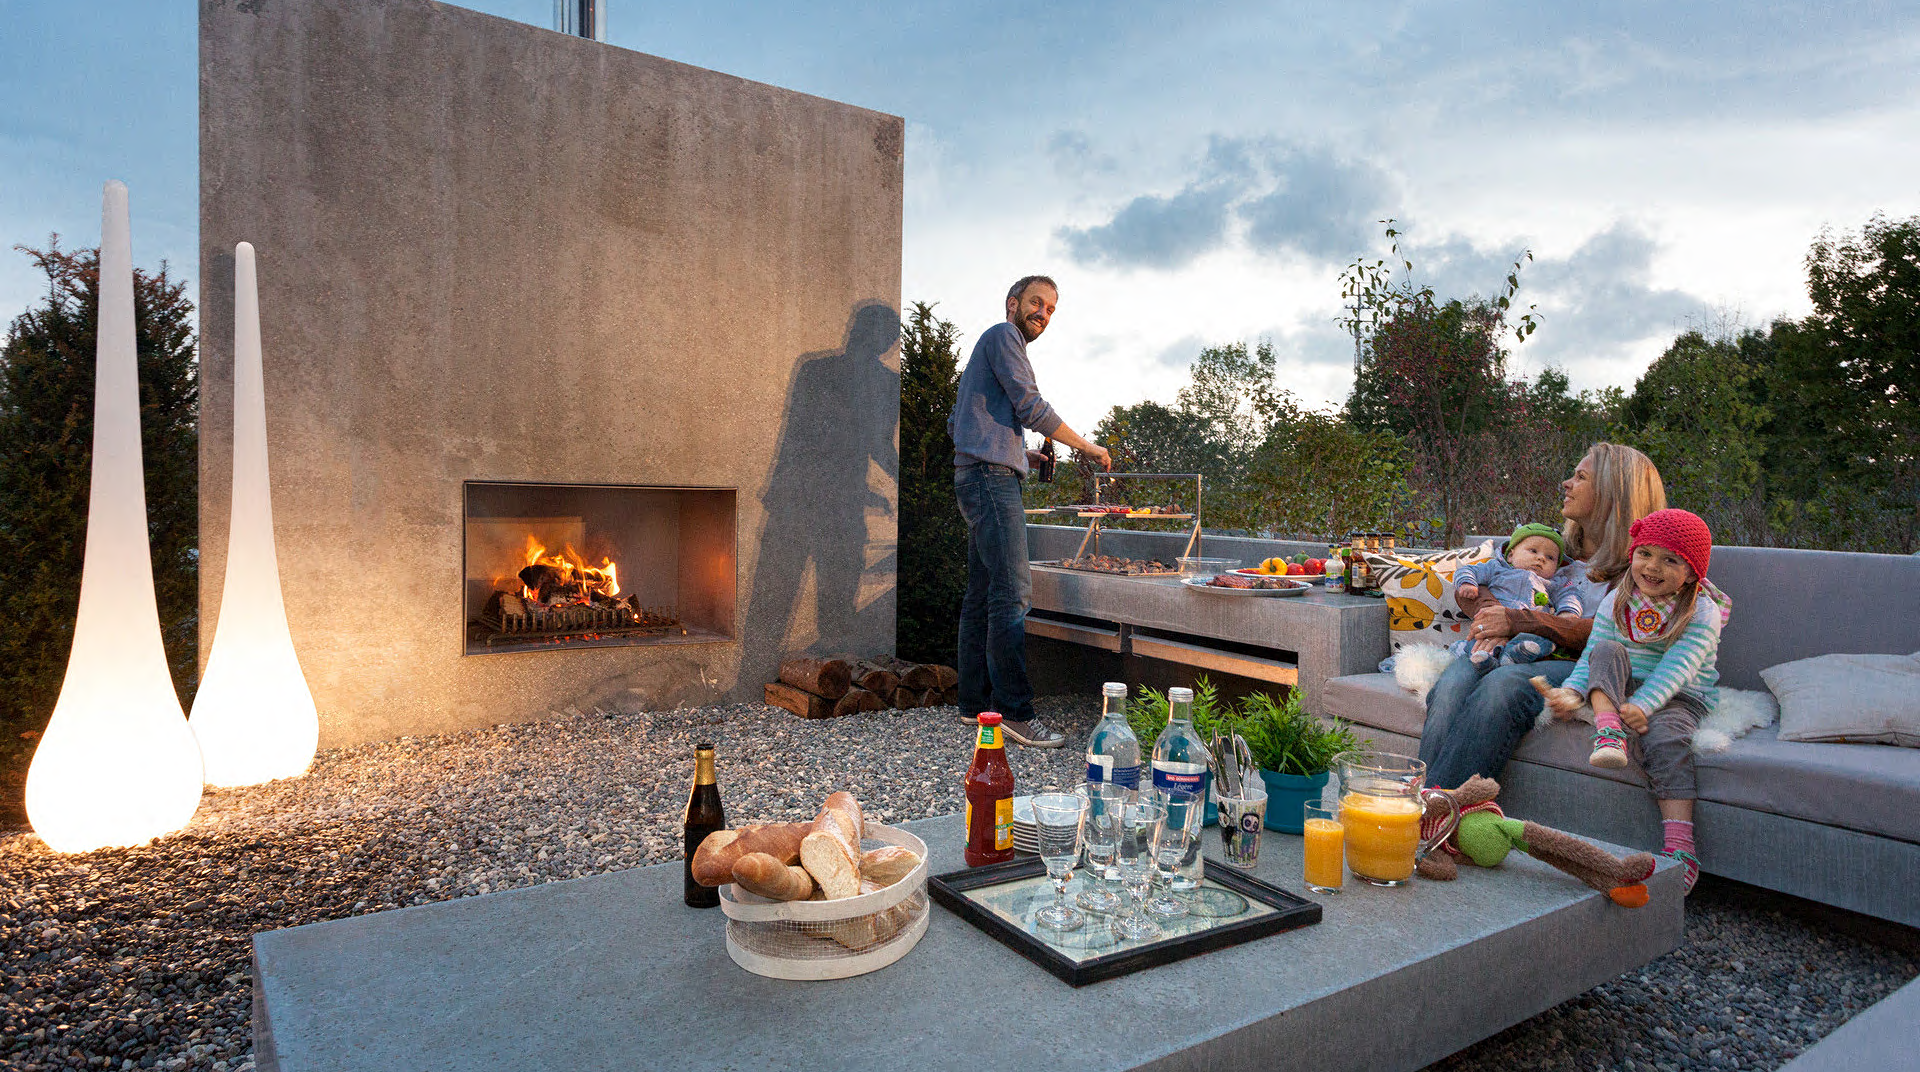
x=1198, y=584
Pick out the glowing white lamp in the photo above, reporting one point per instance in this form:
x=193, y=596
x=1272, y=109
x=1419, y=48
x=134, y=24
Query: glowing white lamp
x=117, y=764
x=254, y=714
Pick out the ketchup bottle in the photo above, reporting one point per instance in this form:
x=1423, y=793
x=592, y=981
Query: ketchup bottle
x=989, y=797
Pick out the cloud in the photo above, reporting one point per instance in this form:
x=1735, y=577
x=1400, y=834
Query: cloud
x=1601, y=296
x=1275, y=197
x=1074, y=157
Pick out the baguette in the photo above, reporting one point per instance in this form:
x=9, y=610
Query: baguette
x=888, y=864
x=758, y=872
x=831, y=852
x=864, y=931
x=713, y=861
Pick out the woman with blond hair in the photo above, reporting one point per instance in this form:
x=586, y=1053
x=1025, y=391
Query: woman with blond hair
x=1475, y=721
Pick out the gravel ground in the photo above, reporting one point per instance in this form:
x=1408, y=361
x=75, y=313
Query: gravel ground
x=139, y=958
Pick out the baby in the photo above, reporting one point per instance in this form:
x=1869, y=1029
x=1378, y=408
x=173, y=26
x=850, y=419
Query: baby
x=1521, y=577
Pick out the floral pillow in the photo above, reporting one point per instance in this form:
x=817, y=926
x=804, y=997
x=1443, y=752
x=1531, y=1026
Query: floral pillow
x=1419, y=591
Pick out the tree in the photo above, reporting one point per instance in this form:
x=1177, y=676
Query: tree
x=46, y=445
x=1697, y=414
x=933, y=536
x=1434, y=374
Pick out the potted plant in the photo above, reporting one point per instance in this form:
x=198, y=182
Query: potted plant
x=1294, y=751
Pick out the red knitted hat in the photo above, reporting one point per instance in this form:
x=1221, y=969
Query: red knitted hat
x=1678, y=531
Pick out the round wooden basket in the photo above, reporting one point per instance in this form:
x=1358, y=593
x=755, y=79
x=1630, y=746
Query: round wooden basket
x=830, y=939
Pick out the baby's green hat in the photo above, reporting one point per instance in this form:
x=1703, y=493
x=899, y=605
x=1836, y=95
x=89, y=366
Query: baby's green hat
x=1535, y=528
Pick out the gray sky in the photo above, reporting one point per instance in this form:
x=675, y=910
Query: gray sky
x=1194, y=174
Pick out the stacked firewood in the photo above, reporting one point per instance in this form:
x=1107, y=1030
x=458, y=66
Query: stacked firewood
x=823, y=688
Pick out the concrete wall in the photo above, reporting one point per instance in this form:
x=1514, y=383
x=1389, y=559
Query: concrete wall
x=491, y=251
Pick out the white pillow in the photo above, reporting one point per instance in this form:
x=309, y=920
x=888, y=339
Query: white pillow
x=1849, y=699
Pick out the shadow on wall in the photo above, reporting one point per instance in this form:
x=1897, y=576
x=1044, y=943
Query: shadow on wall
x=840, y=418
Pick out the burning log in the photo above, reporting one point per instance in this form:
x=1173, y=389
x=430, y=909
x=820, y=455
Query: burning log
x=858, y=700
x=799, y=701
x=828, y=678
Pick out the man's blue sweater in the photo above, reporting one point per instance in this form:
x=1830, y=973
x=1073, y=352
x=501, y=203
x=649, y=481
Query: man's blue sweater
x=997, y=401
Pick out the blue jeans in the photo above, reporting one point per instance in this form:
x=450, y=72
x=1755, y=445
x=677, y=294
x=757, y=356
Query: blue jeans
x=1476, y=716
x=993, y=613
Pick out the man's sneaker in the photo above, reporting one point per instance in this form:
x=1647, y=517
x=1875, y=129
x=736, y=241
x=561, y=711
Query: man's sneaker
x=971, y=720
x=1033, y=733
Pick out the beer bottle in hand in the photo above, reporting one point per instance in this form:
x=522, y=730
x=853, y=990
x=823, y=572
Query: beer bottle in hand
x=704, y=816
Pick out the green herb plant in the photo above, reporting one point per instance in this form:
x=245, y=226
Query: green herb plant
x=1147, y=713
x=1285, y=739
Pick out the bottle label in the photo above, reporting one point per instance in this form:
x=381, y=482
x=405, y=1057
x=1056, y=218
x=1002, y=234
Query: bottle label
x=1101, y=769
x=1164, y=779
x=1003, y=824
x=989, y=737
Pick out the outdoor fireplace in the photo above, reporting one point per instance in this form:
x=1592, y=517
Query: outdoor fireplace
x=555, y=566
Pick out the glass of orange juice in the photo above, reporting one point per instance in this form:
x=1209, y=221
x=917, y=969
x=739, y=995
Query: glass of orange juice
x=1382, y=799
x=1324, y=848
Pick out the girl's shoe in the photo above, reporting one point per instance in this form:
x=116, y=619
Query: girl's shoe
x=1609, y=749
x=1686, y=860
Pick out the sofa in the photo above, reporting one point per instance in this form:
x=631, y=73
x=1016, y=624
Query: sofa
x=1834, y=823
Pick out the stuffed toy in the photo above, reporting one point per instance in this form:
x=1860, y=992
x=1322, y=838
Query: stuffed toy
x=1485, y=836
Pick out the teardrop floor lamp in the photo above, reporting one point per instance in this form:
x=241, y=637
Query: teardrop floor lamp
x=254, y=715
x=117, y=764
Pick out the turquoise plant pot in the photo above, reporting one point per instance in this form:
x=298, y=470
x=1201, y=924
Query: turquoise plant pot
x=1287, y=796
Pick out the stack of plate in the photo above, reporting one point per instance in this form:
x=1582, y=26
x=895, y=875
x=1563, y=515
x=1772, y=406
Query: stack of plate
x=1026, y=837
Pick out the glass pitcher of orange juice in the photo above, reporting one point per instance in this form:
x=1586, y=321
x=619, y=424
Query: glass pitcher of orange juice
x=1381, y=802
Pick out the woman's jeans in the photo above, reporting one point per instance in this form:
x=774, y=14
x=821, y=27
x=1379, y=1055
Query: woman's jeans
x=993, y=613
x=1476, y=717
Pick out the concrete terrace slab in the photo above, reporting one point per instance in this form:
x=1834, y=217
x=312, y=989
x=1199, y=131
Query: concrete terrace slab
x=612, y=972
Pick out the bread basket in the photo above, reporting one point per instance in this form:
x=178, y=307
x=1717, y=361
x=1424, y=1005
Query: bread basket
x=830, y=939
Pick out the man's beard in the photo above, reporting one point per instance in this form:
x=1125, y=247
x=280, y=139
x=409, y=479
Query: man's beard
x=1026, y=334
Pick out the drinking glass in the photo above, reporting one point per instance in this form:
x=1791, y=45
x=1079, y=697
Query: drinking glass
x=1057, y=819
x=1324, y=846
x=1138, y=818
x=1104, y=801
x=1241, y=820
x=1174, y=839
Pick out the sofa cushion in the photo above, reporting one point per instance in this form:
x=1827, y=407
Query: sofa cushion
x=1773, y=589
x=1419, y=592
x=1871, y=790
x=1849, y=699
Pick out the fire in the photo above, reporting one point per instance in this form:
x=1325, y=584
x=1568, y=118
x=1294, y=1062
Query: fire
x=574, y=575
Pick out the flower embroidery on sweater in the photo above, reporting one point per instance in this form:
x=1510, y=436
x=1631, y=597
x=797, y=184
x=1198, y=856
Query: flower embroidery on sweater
x=1646, y=618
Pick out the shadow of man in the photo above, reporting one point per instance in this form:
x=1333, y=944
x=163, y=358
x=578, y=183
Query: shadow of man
x=841, y=416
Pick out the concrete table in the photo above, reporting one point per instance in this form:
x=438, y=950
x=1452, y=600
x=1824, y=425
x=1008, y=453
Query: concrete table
x=612, y=972
x=1311, y=637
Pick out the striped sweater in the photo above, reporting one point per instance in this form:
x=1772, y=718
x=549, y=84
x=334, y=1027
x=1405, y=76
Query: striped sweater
x=1686, y=664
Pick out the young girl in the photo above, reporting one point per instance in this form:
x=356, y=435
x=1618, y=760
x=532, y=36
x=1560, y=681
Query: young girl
x=1649, y=667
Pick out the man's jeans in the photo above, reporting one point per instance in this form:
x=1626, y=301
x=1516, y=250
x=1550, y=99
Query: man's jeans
x=1477, y=715
x=993, y=614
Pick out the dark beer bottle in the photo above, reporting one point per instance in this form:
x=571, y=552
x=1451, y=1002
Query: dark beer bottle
x=704, y=816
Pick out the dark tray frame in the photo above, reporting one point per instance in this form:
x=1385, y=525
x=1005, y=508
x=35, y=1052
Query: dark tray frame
x=949, y=889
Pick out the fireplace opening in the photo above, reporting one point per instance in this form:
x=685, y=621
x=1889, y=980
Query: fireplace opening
x=556, y=566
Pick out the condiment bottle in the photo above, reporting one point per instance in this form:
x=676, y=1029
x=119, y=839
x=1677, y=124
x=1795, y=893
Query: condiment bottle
x=989, y=797
x=704, y=816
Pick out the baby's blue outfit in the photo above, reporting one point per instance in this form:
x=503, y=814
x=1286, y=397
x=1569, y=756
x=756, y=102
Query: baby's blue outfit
x=1513, y=587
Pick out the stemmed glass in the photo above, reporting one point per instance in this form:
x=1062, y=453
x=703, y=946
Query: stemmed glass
x=1057, y=819
x=1177, y=834
x=1104, y=801
x=1138, y=818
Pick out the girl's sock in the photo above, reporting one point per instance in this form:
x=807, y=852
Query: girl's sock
x=1678, y=838
x=1609, y=741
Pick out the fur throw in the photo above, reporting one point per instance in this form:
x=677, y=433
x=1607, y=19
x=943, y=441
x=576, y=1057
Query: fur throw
x=1738, y=711
x=1417, y=666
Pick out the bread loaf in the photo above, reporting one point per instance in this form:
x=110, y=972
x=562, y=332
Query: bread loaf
x=831, y=852
x=888, y=864
x=713, y=861
x=758, y=872
x=872, y=929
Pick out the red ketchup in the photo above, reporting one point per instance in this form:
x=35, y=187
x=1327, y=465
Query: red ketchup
x=989, y=797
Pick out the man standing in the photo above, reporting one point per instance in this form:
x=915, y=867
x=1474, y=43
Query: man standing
x=997, y=402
